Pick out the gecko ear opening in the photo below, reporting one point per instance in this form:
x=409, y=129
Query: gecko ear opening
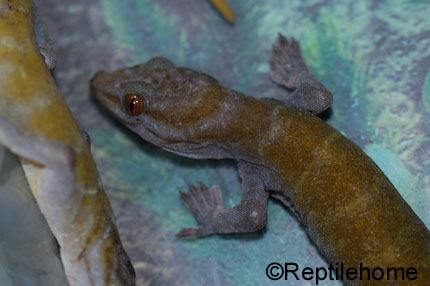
x=133, y=103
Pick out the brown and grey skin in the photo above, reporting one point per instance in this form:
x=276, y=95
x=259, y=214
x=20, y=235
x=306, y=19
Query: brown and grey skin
x=43, y=40
x=348, y=206
x=289, y=70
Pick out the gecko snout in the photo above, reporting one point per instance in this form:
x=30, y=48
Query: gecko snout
x=102, y=87
x=95, y=80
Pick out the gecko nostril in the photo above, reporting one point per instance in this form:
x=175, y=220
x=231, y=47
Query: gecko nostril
x=99, y=75
x=96, y=78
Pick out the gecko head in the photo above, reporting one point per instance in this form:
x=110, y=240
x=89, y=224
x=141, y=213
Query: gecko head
x=169, y=106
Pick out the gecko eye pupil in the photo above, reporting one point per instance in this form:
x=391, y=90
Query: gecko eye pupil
x=133, y=103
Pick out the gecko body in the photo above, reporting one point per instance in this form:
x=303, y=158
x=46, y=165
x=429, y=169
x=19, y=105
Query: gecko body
x=37, y=126
x=348, y=206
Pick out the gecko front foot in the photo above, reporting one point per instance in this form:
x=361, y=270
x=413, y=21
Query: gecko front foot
x=287, y=63
x=289, y=69
x=205, y=204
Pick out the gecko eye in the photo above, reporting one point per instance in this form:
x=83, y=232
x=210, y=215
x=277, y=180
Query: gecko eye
x=133, y=103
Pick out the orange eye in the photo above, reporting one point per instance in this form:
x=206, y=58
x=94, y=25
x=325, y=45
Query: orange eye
x=133, y=103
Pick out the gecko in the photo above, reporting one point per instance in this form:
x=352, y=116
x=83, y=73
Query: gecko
x=37, y=126
x=28, y=239
x=347, y=205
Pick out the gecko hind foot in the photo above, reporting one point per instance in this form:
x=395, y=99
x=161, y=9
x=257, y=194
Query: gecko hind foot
x=287, y=63
x=204, y=203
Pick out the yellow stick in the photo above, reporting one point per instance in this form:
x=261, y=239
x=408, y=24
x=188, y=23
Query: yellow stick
x=225, y=10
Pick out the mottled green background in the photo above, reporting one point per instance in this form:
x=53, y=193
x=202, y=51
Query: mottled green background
x=373, y=55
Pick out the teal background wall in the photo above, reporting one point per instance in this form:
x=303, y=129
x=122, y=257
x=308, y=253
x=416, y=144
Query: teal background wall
x=373, y=55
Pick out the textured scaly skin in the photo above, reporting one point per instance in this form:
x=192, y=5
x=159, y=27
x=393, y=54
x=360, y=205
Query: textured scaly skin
x=348, y=206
